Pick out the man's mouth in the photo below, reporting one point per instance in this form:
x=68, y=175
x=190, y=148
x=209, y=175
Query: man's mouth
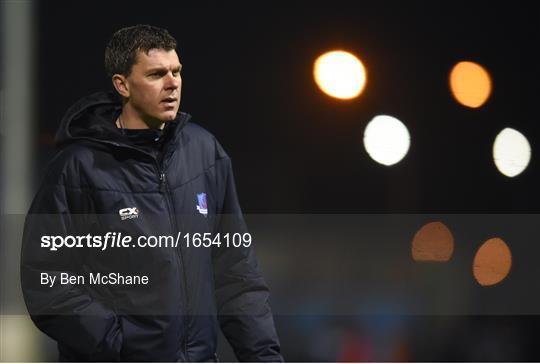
x=169, y=101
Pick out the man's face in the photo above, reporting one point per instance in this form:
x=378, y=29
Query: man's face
x=155, y=84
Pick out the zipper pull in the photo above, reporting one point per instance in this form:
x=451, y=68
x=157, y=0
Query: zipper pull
x=162, y=182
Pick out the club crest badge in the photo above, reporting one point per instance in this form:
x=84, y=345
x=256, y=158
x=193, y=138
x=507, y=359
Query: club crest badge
x=202, y=207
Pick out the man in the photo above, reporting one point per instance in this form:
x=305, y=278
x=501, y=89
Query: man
x=136, y=166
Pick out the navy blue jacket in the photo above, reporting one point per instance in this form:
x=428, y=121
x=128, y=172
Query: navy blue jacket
x=94, y=177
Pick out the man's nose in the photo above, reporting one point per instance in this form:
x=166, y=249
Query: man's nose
x=172, y=81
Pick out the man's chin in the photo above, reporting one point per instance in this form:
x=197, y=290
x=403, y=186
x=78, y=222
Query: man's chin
x=168, y=116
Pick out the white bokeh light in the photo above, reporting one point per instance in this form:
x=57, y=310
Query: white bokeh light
x=511, y=152
x=340, y=74
x=386, y=140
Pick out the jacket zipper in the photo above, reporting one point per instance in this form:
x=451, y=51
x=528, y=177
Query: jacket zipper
x=164, y=188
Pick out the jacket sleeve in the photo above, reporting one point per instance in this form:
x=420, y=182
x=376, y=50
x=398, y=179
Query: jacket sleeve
x=65, y=312
x=241, y=292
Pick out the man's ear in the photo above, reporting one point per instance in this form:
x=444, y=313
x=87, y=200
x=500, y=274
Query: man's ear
x=121, y=85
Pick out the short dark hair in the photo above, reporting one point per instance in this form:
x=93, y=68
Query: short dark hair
x=121, y=52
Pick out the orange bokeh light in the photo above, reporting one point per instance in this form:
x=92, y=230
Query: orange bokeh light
x=492, y=262
x=470, y=84
x=434, y=242
x=340, y=74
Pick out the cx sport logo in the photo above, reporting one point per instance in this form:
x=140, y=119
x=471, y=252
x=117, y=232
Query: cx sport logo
x=128, y=213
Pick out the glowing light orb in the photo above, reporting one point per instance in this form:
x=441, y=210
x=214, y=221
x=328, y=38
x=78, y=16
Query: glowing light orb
x=492, y=262
x=386, y=140
x=340, y=74
x=470, y=84
x=511, y=152
x=434, y=242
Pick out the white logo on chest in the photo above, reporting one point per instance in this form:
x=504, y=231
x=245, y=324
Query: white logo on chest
x=128, y=213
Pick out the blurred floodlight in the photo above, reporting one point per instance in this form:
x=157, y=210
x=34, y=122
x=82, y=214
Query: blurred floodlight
x=340, y=74
x=511, y=152
x=492, y=262
x=434, y=242
x=386, y=140
x=470, y=84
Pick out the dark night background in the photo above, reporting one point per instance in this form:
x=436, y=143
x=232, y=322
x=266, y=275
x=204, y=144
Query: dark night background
x=247, y=78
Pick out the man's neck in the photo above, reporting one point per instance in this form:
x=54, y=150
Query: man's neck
x=130, y=120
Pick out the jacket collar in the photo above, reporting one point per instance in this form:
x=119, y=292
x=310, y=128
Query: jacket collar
x=93, y=118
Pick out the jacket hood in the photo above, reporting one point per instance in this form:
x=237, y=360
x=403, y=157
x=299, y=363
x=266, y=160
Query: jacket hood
x=93, y=118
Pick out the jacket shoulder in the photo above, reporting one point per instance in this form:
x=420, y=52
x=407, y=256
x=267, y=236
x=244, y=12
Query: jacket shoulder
x=68, y=165
x=203, y=141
